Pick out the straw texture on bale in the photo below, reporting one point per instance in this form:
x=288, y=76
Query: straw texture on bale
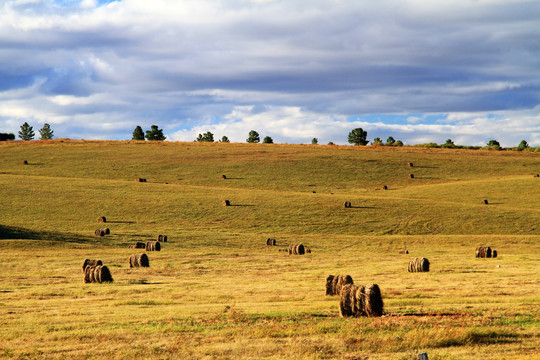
x=335, y=283
x=419, y=265
x=483, y=252
x=360, y=301
x=226, y=203
x=97, y=274
x=162, y=238
x=411, y=176
x=139, y=260
x=297, y=249
x=99, y=232
x=90, y=262
x=270, y=242
x=153, y=246
x=102, y=219
x=348, y=204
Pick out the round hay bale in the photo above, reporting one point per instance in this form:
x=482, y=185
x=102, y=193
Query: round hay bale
x=300, y=249
x=494, y=253
x=411, y=176
x=107, y=231
x=223, y=177
x=345, y=306
x=140, y=245
x=359, y=301
x=488, y=252
x=140, y=180
x=133, y=261
x=537, y=175
x=153, y=246
x=162, y=238
x=348, y=204
x=143, y=260
x=87, y=271
x=104, y=274
x=485, y=202
x=410, y=164
x=308, y=251
x=374, y=302
x=102, y=219
x=90, y=262
x=418, y=265
x=329, y=282
x=226, y=203
x=25, y=162
x=291, y=249
x=385, y=187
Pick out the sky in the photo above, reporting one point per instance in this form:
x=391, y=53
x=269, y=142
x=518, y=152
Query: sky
x=417, y=70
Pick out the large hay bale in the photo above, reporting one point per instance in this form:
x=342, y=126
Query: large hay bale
x=359, y=301
x=153, y=246
x=329, y=285
x=345, y=306
x=418, y=265
x=300, y=249
x=338, y=282
x=104, y=275
x=374, y=304
x=102, y=219
x=139, y=260
x=226, y=203
x=162, y=238
x=90, y=262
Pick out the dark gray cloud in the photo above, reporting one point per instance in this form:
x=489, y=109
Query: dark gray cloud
x=86, y=65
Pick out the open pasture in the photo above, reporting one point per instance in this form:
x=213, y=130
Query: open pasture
x=217, y=291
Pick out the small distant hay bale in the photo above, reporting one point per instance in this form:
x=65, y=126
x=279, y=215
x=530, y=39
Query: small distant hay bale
x=385, y=187
x=139, y=260
x=270, y=242
x=483, y=252
x=138, y=245
x=308, y=251
x=99, y=232
x=410, y=164
x=537, y=175
x=411, y=176
x=25, y=162
x=141, y=180
x=337, y=282
x=494, y=253
x=97, y=274
x=226, y=203
x=418, y=265
x=348, y=204
x=485, y=202
x=153, y=246
x=91, y=262
x=102, y=219
x=297, y=249
x=360, y=301
x=107, y=231
x=223, y=177
x=162, y=238
x=404, y=251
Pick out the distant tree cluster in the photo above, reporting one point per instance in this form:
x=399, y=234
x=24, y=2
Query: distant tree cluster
x=27, y=132
x=154, y=134
x=7, y=136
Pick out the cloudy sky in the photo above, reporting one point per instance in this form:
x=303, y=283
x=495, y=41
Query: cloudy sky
x=417, y=70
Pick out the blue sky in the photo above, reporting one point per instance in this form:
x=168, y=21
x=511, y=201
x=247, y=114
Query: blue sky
x=417, y=70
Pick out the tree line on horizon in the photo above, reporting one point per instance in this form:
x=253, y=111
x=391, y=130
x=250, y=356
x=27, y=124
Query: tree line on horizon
x=357, y=137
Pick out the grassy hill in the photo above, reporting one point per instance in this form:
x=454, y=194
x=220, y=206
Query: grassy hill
x=217, y=291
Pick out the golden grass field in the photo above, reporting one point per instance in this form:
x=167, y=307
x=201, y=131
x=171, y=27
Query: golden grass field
x=216, y=291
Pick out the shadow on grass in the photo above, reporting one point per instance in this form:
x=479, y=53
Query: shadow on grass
x=242, y=205
x=121, y=222
x=16, y=233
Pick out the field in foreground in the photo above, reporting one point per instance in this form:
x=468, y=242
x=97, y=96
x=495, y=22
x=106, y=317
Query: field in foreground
x=216, y=291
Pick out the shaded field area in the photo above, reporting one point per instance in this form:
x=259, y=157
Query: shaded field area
x=217, y=291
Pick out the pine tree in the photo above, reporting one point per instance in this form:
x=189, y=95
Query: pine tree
x=253, y=137
x=155, y=134
x=46, y=132
x=27, y=132
x=138, y=134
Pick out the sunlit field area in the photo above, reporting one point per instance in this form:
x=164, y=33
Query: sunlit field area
x=217, y=291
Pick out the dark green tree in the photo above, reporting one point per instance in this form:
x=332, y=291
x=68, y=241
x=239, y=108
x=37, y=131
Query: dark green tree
x=138, y=133
x=46, y=132
x=155, y=134
x=206, y=137
x=358, y=137
x=377, y=141
x=448, y=144
x=7, y=136
x=314, y=141
x=523, y=145
x=27, y=132
x=268, y=140
x=390, y=141
x=224, y=139
x=493, y=143
x=398, y=143
x=253, y=137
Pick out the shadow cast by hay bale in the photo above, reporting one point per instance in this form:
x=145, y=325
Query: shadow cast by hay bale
x=17, y=233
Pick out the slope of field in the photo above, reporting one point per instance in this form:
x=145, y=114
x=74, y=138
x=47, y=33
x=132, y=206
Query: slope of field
x=217, y=291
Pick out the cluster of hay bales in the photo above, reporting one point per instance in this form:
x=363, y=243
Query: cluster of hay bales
x=153, y=246
x=97, y=274
x=162, y=238
x=90, y=262
x=297, y=249
x=335, y=283
x=102, y=232
x=139, y=260
x=360, y=301
x=270, y=242
x=419, y=265
x=102, y=219
x=140, y=180
x=226, y=203
x=348, y=204
x=137, y=245
x=485, y=252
